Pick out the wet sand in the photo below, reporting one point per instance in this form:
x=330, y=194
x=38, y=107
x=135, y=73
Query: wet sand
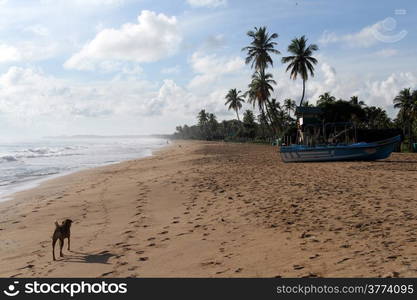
x=200, y=209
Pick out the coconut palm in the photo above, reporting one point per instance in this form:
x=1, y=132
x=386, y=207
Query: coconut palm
x=260, y=49
x=289, y=105
x=326, y=98
x=355, y=100
x=249, y=124
x=212, y=125
x=202, y=117
x=260, y=90
x=376, y=117
x=406, y=102
x=272, y=109
x=301, y=62
x=280, y=117
x=234, y=100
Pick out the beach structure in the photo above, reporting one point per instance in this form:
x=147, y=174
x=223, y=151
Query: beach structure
x=319, y=141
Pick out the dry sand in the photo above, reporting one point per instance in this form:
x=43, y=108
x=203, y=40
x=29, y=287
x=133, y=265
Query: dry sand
x=219, y=210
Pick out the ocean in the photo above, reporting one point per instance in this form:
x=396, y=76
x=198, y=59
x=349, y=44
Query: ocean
x=23, y=164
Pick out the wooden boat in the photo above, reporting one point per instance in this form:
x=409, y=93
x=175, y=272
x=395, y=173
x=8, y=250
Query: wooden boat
x=318, y=141
x=342, y=152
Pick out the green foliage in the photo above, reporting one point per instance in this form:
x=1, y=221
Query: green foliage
x=234, y=100
x=406, y=102
x=249, y=124
x=260, y=49
x=301, y=62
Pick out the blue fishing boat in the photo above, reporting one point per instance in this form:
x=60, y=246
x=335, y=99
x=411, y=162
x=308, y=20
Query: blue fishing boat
x=356, y=151
x=318, y=142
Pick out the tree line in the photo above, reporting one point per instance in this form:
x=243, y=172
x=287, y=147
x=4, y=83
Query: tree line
x=276, y=119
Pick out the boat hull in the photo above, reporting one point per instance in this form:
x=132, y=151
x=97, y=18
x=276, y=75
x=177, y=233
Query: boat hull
x=360, y=151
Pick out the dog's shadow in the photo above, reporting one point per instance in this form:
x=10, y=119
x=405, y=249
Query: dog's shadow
x=81, y=257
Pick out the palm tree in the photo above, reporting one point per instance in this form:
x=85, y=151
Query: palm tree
x=260, y=48
x=376, y=117
x=289, y=105
x=260, y=90
x=212, y=125
x=202, y=117
x=405, y=101
x=272, y=108
x=326, y=98
x=249, y=124
x=234, y=100
x=301, y=62
x=355, y=101
x=280, y=117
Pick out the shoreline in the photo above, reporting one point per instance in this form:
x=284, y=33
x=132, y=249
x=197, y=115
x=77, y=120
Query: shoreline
x=7, y=196
x=207, y=209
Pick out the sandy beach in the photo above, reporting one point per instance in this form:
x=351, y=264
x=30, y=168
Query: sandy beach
x=201, y=209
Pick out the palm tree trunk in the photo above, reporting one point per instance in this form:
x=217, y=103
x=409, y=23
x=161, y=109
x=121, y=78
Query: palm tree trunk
x=271, y=119
x=304, y=90
x=237, y=114
x=267, y=117
x=410, y=144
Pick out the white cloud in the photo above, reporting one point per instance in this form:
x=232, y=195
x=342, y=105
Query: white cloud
x=207, y=3
x=329, y=74
x=388, y=52
x=26, y=94
x=211, y=67
x=364, y=38
x=27, y=51
x=154, y=37
x=38, y=29
x=382, y=31
x=9, y=53
x=382, y=92
x=30, y=98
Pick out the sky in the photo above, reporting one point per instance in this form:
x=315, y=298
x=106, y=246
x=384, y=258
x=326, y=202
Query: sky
x=113, y=67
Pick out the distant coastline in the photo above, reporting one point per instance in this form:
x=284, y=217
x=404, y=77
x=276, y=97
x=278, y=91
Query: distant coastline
x=96, y=136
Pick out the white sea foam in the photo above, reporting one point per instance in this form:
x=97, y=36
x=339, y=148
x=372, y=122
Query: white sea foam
x=26, y=162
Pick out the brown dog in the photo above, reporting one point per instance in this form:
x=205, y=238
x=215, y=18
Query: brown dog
x=61, y=232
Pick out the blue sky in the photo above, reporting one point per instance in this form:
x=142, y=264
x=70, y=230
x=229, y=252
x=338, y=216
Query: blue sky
x=132, y=67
